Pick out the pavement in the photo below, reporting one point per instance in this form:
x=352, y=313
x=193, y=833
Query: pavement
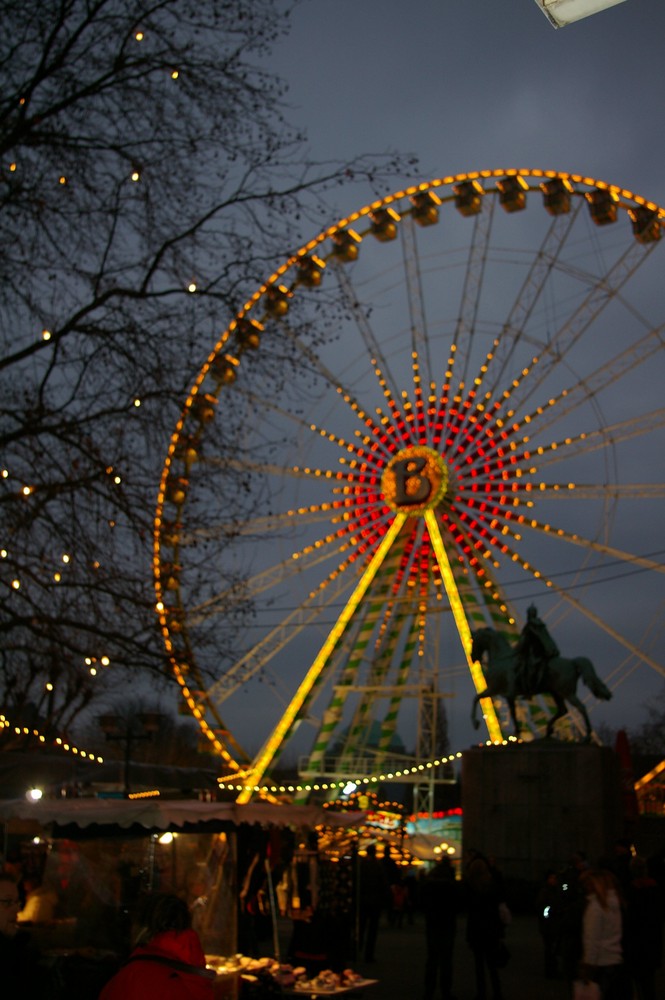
x=400, y=962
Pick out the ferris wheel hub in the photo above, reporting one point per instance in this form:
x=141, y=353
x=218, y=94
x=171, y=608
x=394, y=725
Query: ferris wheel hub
x=415, y=480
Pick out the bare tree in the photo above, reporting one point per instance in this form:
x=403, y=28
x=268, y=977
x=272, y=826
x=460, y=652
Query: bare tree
x=649, y=737
x=148, y=180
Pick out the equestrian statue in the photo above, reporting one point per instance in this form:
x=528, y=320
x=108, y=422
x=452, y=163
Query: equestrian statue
x=531, y=666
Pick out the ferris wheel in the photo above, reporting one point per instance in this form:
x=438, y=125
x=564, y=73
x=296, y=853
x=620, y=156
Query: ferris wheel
x=441, y=409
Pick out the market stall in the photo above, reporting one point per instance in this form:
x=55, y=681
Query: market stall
x=227, y=861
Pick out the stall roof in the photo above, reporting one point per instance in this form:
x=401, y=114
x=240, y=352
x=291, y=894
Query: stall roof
x=164, y=814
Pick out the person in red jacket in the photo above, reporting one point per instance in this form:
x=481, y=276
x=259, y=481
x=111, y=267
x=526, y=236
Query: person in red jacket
x=167, y=962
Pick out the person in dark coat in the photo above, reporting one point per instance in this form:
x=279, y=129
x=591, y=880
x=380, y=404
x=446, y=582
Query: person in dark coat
x=167, y=961
x=643, y=929
x=440, y=902
x=373, y=895
x=549, y=922
x=484, y=927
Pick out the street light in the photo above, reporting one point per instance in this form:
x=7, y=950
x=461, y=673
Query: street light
x=115, y=727
x=562, y=12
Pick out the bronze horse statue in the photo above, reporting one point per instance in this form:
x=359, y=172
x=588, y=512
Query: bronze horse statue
x=559, y=678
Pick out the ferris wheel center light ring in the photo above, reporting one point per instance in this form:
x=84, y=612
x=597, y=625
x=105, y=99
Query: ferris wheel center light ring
x=415, y=480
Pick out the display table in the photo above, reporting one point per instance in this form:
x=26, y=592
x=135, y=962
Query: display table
x=313, y=992
x=226, y=986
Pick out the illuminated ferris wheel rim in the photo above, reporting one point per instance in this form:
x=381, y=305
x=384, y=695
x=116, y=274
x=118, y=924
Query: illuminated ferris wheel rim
x=306, y=266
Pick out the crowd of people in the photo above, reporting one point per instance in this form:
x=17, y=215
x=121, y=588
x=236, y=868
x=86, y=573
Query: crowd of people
x=604, y=924
x=600, y=924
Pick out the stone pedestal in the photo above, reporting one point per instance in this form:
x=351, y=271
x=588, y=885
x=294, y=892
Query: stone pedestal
x=532, y=805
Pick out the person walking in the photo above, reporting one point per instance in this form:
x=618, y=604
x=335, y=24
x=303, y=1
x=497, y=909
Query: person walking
x=643, y=929
x=484, y=926
x=549, y=922
x=440, y=902
x=373, y=896
x=602, y=929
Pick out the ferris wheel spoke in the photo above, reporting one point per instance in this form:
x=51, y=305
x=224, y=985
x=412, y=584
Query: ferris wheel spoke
x=591, y=441
x=472, y=289
x=352, y=302
x=414, y=294
x=602, y=624
x=321, y=551
x=568, y=400
x=256, y=659
x=596, y=300
x=599, y=492
x=254, y=527
x=628, y=558
x=531, y=570
x=535, y=283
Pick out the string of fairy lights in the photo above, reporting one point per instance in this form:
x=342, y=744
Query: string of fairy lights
x=366, y=780
x=58, y=741
x=272, y=789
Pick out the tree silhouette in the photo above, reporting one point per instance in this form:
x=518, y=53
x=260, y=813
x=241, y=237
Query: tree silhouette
x=148, y=181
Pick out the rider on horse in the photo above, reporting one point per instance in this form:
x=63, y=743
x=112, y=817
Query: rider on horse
x=535, y=648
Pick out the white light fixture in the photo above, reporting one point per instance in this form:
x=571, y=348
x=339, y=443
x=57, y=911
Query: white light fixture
x=34, y=794
x=562, y=12
x=349, y=788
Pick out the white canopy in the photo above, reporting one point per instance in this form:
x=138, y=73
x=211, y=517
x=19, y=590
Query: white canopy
x=161, y=814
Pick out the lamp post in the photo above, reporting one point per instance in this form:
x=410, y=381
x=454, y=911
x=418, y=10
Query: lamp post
x=115, y=727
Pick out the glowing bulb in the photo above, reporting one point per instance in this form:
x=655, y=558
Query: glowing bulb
x=139, y=36
x=175, y=74
x=16, y=584
x=137, y=403
x=46, y=334
x=136, y=175
x=62, y=179
x=191, y=287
